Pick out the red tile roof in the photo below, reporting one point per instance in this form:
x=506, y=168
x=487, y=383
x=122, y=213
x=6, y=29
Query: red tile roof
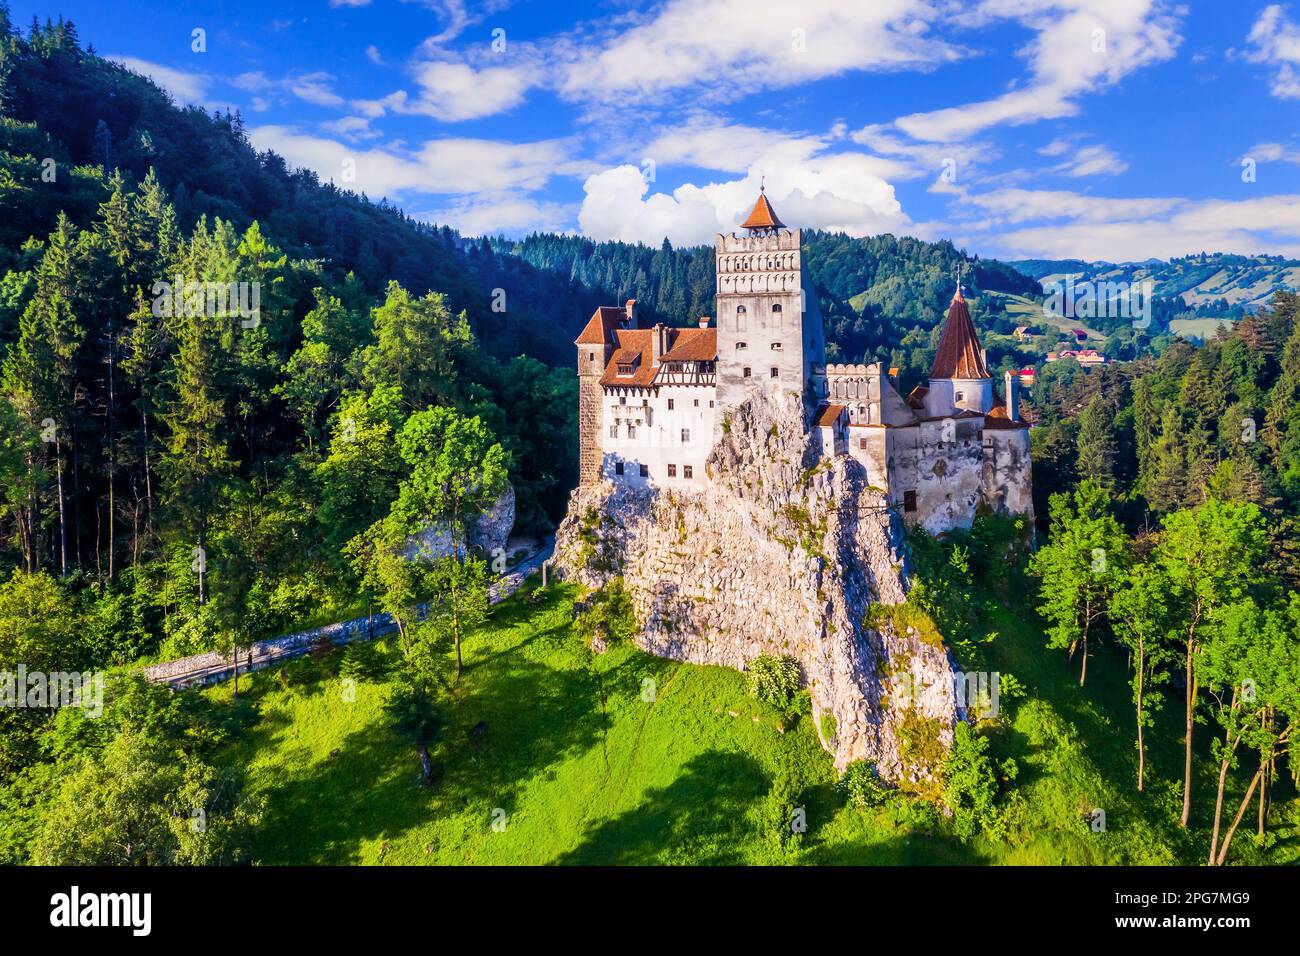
x=829, y=414
x=692, y=345
x=997, y=417
x=762, y=216
x=959, y=354
x=916, y=397
x=634, y=348
x=601, y=325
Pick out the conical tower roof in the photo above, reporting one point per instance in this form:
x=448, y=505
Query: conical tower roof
x=762, y=216
x=959, y=354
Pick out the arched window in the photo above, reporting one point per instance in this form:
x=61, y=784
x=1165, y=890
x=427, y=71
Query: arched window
x=776, y=309
x=741, y=345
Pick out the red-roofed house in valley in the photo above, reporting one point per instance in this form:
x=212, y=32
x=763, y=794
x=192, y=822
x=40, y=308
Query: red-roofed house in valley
x=1082, y=356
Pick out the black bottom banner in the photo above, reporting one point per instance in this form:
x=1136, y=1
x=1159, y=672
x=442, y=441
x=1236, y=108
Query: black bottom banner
x=331, y=905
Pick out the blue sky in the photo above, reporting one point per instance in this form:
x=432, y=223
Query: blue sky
x=1104, y=129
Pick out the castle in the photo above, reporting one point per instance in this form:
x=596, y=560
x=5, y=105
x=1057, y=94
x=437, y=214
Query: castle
x=653, y=401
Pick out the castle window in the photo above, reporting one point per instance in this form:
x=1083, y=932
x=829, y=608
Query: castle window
x=670, y=404
x=776, y=309
x=740, y=310
x=592, y=358
x=688, y=471
x=672, y=471
x=697, y=403
x=631, y=431
x=645, y=471
x=909, y=501
x=624, y=368
x=618, y=468
x=958, y=397
x=776, y=372
x=776, y=346
x=613, y=431
x=710, y=403
x=746, y=373
x=862, y=443
x=686, y=436
x=741, y=345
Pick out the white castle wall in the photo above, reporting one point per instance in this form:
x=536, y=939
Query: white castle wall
x=659, y=442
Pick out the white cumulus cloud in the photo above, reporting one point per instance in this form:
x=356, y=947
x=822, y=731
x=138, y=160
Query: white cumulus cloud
x=837, y=192
x=1079, y=46
x=187, y=88
x=729, y=48
x=441, y=166
x=1015, y=223
x=1275, y=39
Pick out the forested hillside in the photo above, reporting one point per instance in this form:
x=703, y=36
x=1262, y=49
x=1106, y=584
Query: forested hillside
x=201, y=466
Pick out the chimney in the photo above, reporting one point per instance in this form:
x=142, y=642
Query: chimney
x=704, y=321
x=630, y=309
x=656, y=342
x=1013, y=396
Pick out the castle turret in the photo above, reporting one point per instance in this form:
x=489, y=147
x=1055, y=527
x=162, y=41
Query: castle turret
x=959, y=378
x=595, y=346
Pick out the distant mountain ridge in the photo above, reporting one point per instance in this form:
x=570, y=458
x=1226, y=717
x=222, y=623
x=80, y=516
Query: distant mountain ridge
x=1220, y=285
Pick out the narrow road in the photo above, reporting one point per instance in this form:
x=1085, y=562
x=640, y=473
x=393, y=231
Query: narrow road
x=201, y=670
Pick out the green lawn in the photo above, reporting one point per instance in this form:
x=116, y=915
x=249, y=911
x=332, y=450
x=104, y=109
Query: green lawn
x=680, y=779
x=1202, y=329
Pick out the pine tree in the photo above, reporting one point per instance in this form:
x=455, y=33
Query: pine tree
x=1096, y=442
x=40, y=373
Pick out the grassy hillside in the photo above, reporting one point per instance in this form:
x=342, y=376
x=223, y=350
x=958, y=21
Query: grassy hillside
x=1209, y=285
x=685, y=778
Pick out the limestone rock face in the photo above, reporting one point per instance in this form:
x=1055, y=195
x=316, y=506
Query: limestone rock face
x=492, y=530
x=782, y=555
x=489, y=533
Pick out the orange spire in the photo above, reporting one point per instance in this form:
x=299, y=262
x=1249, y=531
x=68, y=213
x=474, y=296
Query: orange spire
x=762, y=216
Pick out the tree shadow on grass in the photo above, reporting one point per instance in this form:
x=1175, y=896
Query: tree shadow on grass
x=510, y=722
x=366, y=789
x=700, y=818
x=512, y=725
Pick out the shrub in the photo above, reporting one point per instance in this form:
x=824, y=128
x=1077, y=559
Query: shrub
x=608, y=616
x=972, y=786
x=828, y=726
x=783, y=820
x=861, y=787
x=775, y=680
x=920, y=746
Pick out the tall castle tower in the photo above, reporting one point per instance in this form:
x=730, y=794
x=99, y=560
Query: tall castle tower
x=596, y=344
x=770, y=334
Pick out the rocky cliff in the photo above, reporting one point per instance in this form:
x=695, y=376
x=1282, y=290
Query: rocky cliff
x=782, y=554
